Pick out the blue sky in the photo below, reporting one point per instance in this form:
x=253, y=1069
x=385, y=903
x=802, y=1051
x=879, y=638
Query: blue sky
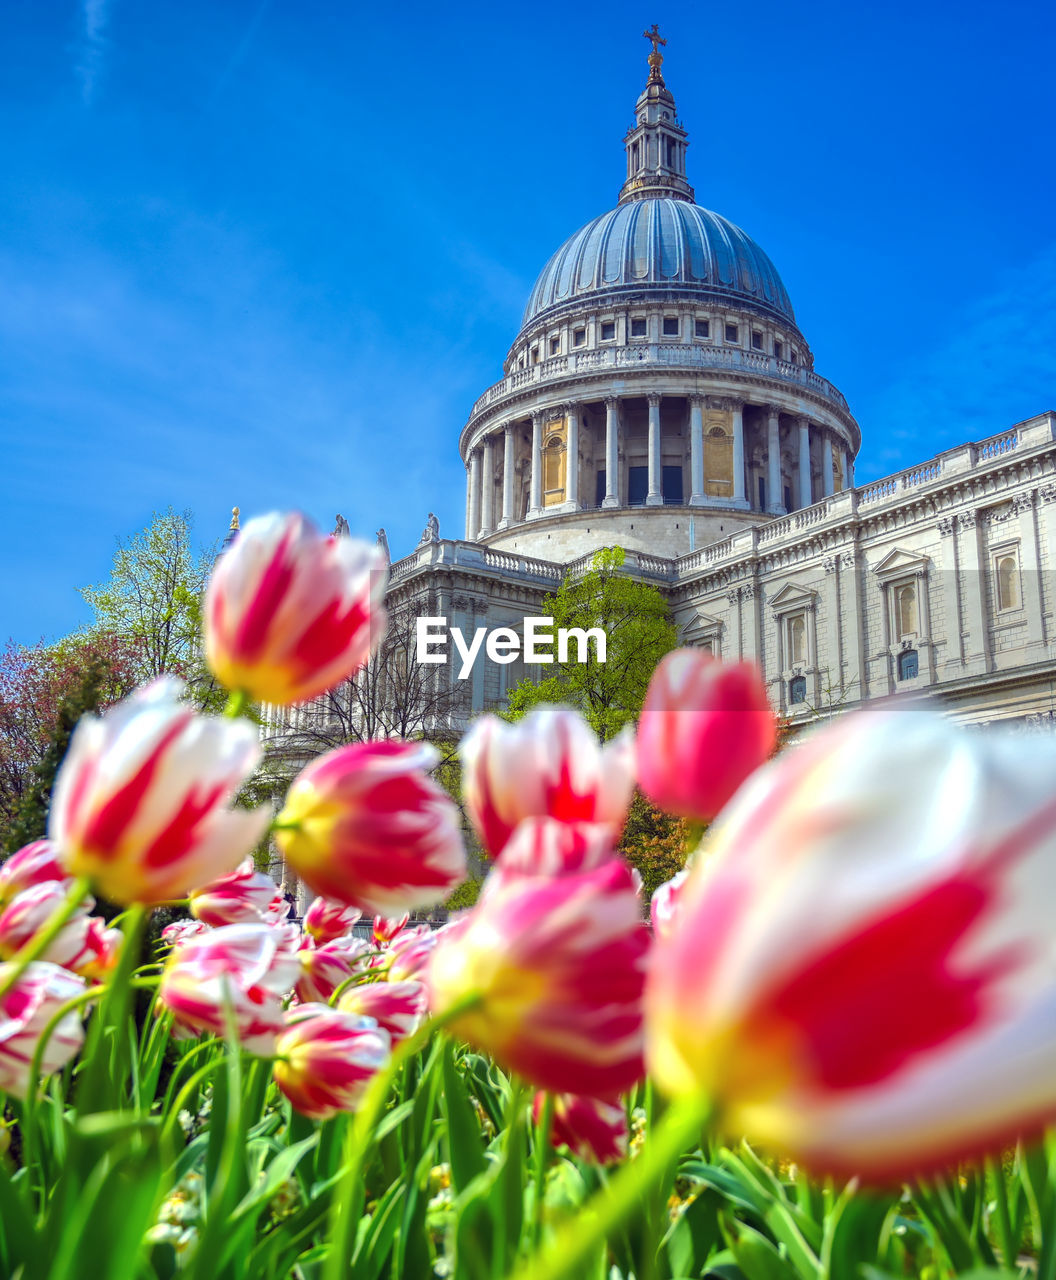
x=268, y=253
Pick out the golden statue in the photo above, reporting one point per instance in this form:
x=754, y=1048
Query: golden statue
x=234, y=519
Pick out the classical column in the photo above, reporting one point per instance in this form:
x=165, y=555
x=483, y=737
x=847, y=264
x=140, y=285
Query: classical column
x=655, y=496
x=973, y=565
x=473, y=531
x=774, y=504
x=612, y=452
x=848, y=470
x=469, y=495
x=507, y=478
x=535, y=500
x=487, y=506
x=696, y=450
x=805, y=498
x=826, y=463
x=739, y=497
x=1030, y=568
x=572, y=456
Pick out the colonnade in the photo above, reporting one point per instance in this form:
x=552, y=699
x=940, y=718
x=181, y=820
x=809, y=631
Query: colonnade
x=481, y=475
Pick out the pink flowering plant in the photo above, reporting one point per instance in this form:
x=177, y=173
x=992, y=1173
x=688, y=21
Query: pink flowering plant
x=825, y=1050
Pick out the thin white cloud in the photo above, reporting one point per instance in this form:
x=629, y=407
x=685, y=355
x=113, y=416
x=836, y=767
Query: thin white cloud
x=92, y=47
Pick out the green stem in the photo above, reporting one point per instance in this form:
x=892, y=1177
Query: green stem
x=542, y=1150
x=35, y=947
x=578, y=1241
x=237, y=702
x=359, y=1140
x=1009, y=1250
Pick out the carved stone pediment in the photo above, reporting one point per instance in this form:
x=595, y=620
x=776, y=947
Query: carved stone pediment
x=901, y=564
x=792, y=597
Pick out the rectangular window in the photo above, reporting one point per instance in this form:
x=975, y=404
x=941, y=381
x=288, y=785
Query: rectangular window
x=670, y=326
x=732, y=333
x=779, y=351
x=701, y=328
x=757, y=340
x=555, y=346
x=795, y=356
x=535, y=355
x=638, y=327
x=579, y=337
x=599, y=488
x=671, y=482
x=637, y=486
x=608, y=330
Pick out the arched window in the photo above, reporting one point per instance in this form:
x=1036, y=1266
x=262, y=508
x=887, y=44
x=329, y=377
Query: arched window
x=908, y=665
x=797, y=689
x=554, y=468
x=797, y=639
x=906, y=610
x=837, y=471
x=1007, y=584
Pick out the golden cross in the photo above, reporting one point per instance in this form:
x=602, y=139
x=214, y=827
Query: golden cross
x=655, y=36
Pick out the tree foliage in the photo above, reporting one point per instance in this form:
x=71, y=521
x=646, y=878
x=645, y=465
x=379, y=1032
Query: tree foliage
x=153, y=601
x=44, y=690
x=639, y=631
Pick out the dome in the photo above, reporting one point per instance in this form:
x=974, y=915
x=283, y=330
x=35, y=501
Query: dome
x=664, y=242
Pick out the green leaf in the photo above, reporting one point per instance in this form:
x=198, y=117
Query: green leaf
x=465, y=1147
x=756, y=1256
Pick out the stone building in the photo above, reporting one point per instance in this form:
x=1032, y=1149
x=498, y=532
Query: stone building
x=661, y=397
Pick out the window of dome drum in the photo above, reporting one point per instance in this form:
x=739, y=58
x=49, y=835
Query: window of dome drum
x=535, y=355
x=732, y=333
x=779, y=350
x=579, y=337
x=638, y=328
x=670, y=326
x=555, y=346
x=757, y=340
x=608, y=330
x=908, y=665
x=701, y=329
x=797, y=689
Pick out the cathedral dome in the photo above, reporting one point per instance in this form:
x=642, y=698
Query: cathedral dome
x=666, y=243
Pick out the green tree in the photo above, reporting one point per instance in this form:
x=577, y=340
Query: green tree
x=639, y=631
x=153, y=601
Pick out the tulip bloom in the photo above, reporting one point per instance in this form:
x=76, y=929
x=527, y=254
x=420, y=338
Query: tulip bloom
x=860, y=973
x=180, y=930
x=326, y=921
x=241, y=971
x=25, y=1011
x=324, y=968
x=593, y=1129
x=547, y=765
x=384, y=929
x=141, y=801
x=244, y=896
x=365, y=825
x=408, y=955
x=327, y=1058
x=548, y=847
x=83, y=945
x=558, y=965
x=397, y=1007
x=34, y=863
x=705, y=726
x=289, y=612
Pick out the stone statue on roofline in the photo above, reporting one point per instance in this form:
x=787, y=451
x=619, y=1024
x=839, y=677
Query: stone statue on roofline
x=341, y=529
x=431, y=532
x=383, y=543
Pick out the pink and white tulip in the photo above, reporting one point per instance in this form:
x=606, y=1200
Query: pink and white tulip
x=705, y=726
x=323, y=969
x=408, y=955
x=326, y=1059
x=180, y=930
x=549, y=764
x=289, y=612
x=243, y=896
x=591, y=1128
x=142, y=802
x=326, y=921
x=397, y=1007
x=241, y=971
x=385, y=929
x=558, y=966
x=84, y=944
x=861, y=971
x=366, y=825
x=34, y=863
x=550, y=847
x=25, y=1011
